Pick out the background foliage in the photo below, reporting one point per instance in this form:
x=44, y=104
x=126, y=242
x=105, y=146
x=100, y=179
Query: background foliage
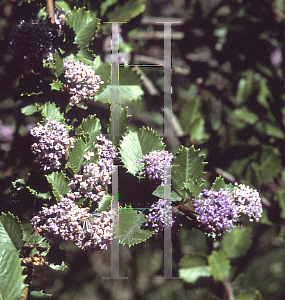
x=228, y=100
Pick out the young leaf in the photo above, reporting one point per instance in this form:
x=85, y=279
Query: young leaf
x=50, y=111
x=237, y=243
x=250, y=294
x=56, y=85
x=57, y=267
x=193, y=267
x=188, y=164
x=136, y=144
x=84, y=25
x=59, y=184
x=91, y=127
x=12, y=281
x=219, y=265
x=219, y=183
x=40, y=294
x=11, y=232
x=130, y=222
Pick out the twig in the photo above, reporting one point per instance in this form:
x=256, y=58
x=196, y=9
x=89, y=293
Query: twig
x=228, y=288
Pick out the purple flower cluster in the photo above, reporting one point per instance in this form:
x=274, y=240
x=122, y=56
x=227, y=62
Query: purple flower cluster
x=81, y=81
x=219, y=211
x=155, y=163
x=67, y=221
x=31, y=42
x=95, y=177
x=248, y=202
x=156, y=217
x=216, y=211
x=53, y=143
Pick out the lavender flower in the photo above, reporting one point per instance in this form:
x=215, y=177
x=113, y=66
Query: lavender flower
x=53, y=143
x=95, y=178
x=156, y=216
x=248, y=202
x=217, y=211
x=66, y=220
x=31, y=42
x=155, y=163
x=81, y=81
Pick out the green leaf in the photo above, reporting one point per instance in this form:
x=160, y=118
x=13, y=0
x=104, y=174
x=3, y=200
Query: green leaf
x=40, y=241
x=56, y=85
x=45, y=196
x=104, y=203
x=130, y=222
x=136, y=144
x=29, y=110
x=193, y=188
x=90, y=127
x=127, y=11
x=238, y=242
x=193, y=267
x=270, y=163
x=120, y=124
x=104, y=5
x=84, y=25
x=250, y=294
x=58, y=64
x=40, y=294
x=219, y=265
x=159, y=192
x=192, y=120
x=51, y=112
x=11, y=232
x=244, y=115
x=12, y=281
x=129, y=76
x=188, y=164
x=244, y=88
x=219, y=183
x=127, y=93
x=59, y=184
x=75, y=158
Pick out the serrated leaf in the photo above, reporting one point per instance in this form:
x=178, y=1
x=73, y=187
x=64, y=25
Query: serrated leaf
x=193, y=188
x=86, y=56
x=51, y=112
x=104, y=203
x=130, y=222
x=238, y=242
x=56, y=85
x=29, y=110
x=127, y=93
x=129, y=76
x=58, y=64
x=84, y=25
x=75, y=158
x=120, y=124
x=40, y=241
x=40, y=294
x=136, y=144
x=219, y=183
x=11, y=232
x=12, y=281
x=59, y=184
x=45, y=196
x=219, y=265
x=193, y=267
x=250, y=294
x=127, y=11
x=188, y=164
x=91, y=127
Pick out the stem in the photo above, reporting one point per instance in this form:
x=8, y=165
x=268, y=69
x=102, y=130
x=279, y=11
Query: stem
x=228, y=288
x=50, y=10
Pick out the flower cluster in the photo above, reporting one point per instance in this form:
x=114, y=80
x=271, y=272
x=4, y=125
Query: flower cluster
x=53, y=143
x=156, y=217
x=95, y=177
x=155, y=163
x=67, y=221
x=31, y=42
x=81, y=81
x=219, y=211
x=248, y=202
